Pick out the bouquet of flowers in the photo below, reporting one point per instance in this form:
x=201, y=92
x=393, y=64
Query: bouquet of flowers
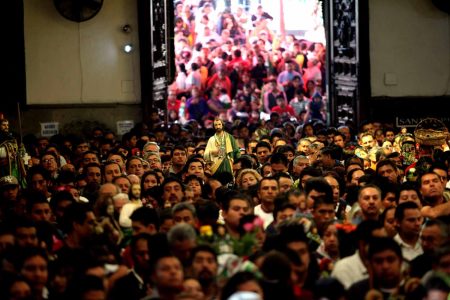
x=224, y=243
x=248, y=242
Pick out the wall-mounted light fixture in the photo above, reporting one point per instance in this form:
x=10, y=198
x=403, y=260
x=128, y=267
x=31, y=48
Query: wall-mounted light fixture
x=128, y=48
x=127, y=28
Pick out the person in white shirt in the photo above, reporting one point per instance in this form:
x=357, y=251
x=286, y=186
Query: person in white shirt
x=194, y=77
x=408, y=221
x=267, y=191
x=205, y=16
x=351, y=269
x=207, y=35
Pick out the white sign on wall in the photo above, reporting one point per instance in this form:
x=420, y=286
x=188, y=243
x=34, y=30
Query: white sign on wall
x=49, y=129
x=124, y=126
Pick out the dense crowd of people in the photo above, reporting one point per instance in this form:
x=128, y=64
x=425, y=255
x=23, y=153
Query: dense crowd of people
x=296, y=209
x=231, y=64
x=314, y=213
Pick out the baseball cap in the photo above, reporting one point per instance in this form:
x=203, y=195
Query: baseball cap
x=8, y=180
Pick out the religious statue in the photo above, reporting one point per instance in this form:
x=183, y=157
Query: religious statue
x=408, y=153
x=221, y=149
x=11, y=162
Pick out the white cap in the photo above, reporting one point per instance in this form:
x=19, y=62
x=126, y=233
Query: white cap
x=245, y=296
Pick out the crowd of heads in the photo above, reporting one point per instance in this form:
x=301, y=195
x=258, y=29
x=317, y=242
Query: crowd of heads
x=230, y=63
x=143, y=216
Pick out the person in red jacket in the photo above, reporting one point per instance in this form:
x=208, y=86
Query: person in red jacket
x=220, y=79
x=283, y=109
